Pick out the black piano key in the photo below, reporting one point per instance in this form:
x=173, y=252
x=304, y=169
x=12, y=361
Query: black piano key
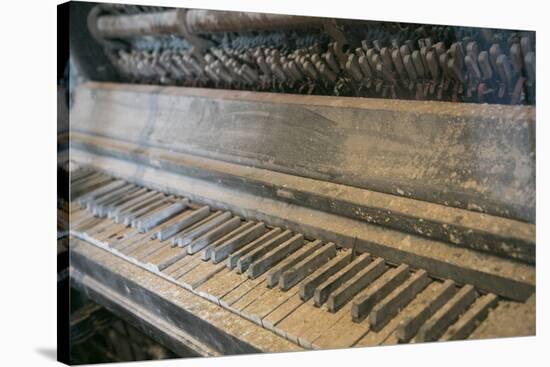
x=399, y=297
x=273, y=275
x=409, y=326
x=207, y=251
x=151, y=221
x=220, y=253
x=234, y=258
x=323, y=290
x=185, y=239
x=446, y=315
x=364, y=302
x=213, y=234
x=298, y=272
x=263, y=264
x=193, y=217
x=264, y=248
x=353, y=286
x=308, y=286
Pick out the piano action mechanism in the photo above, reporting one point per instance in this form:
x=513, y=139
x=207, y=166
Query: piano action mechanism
x=232, y=197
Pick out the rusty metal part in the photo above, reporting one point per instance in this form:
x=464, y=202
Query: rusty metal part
x=185, y=22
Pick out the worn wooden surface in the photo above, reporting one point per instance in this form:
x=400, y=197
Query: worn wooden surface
x=471, y=156
x=489, y=273
x=504, y=236
x=220, y=329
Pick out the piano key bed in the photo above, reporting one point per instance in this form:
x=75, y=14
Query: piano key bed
x=313, y=293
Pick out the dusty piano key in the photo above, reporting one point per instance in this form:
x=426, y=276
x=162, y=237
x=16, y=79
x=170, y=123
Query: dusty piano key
x=160, y=256
x=132, y=218
x=263, y=264
x=154, y=243
x=148, y=247
x=263, y=306
x=271, y=320
x=100, y=191
x=114, y=231
x=467, y=322
x=114, y=239
x=185, y=238
x=341, y=333
x=152, y=198
x=90, y=185
x=353, y=286
x=262, y=249
x=92, y=202
x=223, y=227
x=85, y=223
x=146, y=224
x=94, y=205
x=384, y=285
x=99, y=228
x=173, y=265
x=409, y=326
x=103, y=210
x=80, y=174
x=192, y=261
x=89, y=227
x=130, y=237
x=176, y=257
x=386, y=335
x=308, y=286
x=274, y=274
x=299, y=271
x=306, y=323
x=446, y=315
x=174, y=239
x=77, y=218
x=323, y=290
x=190, y=219
x=207, y=252
x=134, y=202
x=221, y=284
x=387, y=308
x=221, y=252
x=201, y=273
x=107, y=209
x=234, y=258
x=257, y=292
x=139, y=241
x=241, y=291
x=136, y=239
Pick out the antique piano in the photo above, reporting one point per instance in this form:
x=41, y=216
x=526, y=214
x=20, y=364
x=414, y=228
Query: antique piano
x=248, y=183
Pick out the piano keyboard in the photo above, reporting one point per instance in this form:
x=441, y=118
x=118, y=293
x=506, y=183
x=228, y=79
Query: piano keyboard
x=313, y=293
